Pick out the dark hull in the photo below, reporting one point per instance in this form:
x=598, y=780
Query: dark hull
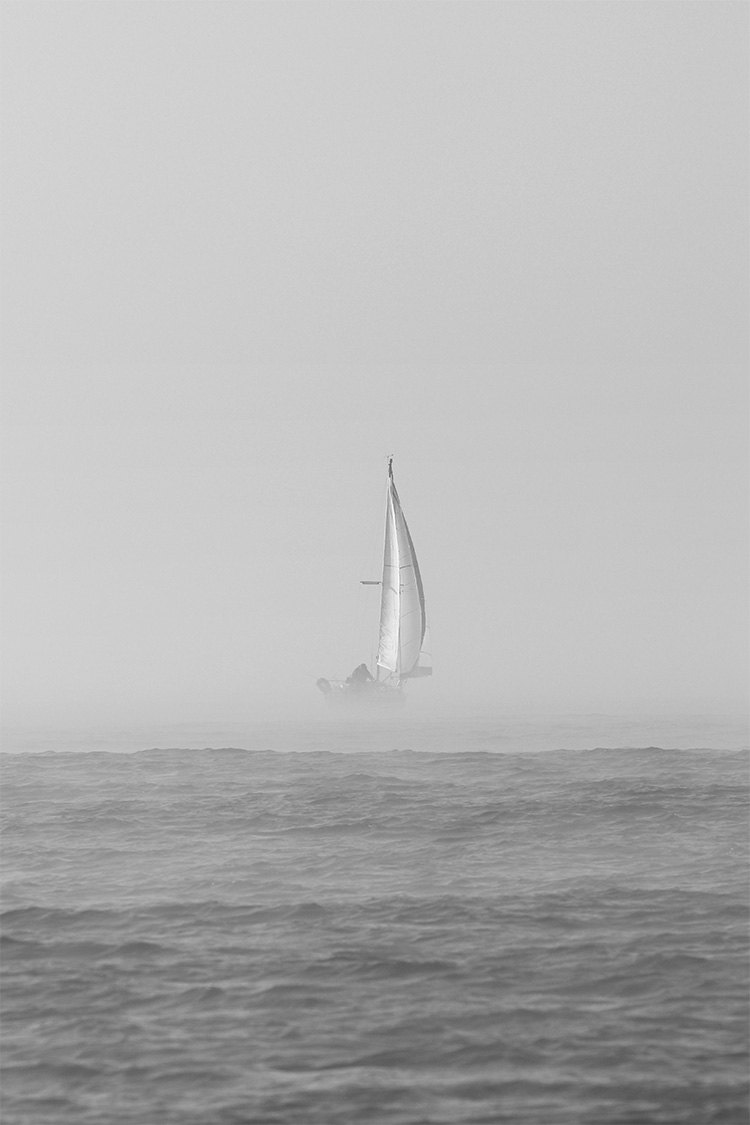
x=371, y=696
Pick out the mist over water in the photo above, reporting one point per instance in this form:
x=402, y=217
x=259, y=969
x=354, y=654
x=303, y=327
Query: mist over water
x=400, y=922
x=323, y=728
x=503, y=242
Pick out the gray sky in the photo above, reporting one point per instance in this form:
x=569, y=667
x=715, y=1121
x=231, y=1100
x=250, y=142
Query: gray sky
x=251, y=249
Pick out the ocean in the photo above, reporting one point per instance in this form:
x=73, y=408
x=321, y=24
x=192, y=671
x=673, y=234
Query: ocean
x=402, y=923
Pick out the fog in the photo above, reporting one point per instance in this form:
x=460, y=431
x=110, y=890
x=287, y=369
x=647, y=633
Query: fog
x=251, y=250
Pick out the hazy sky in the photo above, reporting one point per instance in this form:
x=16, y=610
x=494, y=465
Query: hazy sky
x=251, y=249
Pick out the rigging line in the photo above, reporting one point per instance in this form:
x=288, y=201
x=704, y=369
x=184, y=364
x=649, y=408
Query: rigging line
x=361, y=636
x=377, y=527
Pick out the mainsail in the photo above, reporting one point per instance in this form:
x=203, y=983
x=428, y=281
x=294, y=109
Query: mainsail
x=402, y=613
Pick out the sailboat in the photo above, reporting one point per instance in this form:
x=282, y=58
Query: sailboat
x=403, y=622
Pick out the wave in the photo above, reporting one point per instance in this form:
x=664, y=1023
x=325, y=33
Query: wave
x=239, y=754
x=225, y=935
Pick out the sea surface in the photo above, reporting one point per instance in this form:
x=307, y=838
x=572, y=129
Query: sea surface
x=403, y=924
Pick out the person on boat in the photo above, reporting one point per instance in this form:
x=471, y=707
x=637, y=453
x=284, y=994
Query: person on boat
x=360, y=677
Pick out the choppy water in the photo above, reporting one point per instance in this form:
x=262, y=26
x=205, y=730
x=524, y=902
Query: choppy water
x=228, y=935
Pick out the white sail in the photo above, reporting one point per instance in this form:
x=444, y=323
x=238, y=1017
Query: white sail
x=402, y=612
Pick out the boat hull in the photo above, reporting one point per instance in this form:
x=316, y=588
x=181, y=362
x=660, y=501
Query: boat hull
x=372, y=695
